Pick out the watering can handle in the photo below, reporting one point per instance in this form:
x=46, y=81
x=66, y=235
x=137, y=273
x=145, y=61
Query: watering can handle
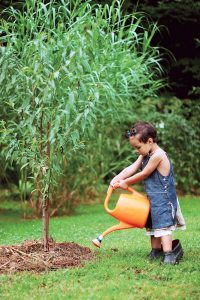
x=109, y=193
x=131, y=190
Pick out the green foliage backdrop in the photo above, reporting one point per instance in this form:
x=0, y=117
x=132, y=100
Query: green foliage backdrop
x=74, y=77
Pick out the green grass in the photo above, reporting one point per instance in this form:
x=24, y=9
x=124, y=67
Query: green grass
x=120, y=269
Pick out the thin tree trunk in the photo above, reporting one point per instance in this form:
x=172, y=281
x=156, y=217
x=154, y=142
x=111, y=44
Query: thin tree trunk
x=45, y=206
x=45, y=216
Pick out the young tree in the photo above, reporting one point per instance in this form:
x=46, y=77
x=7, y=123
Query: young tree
x=68, y=67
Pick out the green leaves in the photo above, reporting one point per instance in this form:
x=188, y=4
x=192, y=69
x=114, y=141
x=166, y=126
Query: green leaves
x=69, y=70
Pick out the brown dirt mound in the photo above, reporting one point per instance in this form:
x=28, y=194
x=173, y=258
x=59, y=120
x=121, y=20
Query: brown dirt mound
x=30, y=256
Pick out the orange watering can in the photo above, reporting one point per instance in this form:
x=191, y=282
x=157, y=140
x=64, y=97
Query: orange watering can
x=131, y=210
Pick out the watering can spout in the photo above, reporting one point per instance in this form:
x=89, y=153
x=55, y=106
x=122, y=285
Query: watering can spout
x=120, y=226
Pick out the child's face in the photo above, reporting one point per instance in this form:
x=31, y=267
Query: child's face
x=140, y=147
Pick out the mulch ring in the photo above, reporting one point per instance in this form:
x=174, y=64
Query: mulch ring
x=30, y=256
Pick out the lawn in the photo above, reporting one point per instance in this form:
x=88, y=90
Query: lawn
x=119, y=270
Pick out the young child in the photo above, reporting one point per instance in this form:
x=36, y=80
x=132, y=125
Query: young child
x=157, y=174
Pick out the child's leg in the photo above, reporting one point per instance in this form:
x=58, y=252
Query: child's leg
x=156, y=251
x=173, y=251
x=166, y=241
x=155, y=242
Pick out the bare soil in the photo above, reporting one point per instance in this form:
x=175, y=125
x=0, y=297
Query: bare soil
x=30, y=256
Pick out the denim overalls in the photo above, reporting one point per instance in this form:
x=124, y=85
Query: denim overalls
x=162, y=195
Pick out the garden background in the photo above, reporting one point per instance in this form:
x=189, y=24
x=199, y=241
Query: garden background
x=74, y=76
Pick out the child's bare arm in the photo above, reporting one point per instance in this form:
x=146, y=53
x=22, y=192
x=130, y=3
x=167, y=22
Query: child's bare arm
x=127, y=172
x=153, y=163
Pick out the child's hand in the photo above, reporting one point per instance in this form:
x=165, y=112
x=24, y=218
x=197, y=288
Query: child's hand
x=120, y=184
x=114, y=181
x=115, y=185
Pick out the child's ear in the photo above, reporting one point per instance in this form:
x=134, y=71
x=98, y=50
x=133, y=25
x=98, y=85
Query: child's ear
x=150, y=141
